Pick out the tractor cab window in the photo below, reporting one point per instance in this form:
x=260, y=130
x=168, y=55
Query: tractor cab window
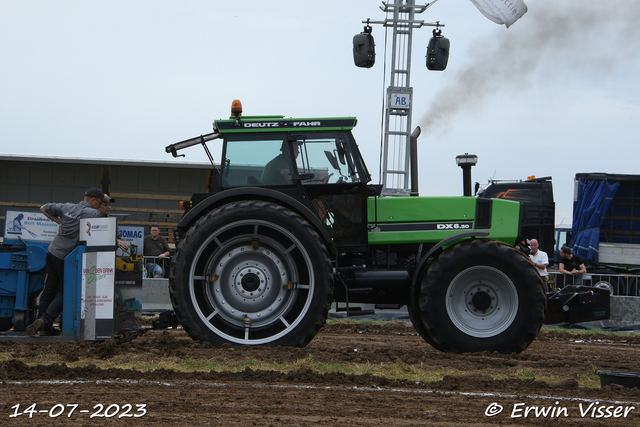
x=281, y=159
x=245, y=158
x=324, y=159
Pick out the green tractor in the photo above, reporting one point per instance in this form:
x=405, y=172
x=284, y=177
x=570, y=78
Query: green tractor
x=293, y=225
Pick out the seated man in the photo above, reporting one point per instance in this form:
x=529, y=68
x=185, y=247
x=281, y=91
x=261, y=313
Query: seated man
x=155, y=246
x=278, y=171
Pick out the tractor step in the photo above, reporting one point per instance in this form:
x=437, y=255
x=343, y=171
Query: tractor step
x=359, y=290
x=388, y=306
x=355, y=311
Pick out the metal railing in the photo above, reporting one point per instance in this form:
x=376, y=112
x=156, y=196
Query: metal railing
x=164, y=263
x=618, y=284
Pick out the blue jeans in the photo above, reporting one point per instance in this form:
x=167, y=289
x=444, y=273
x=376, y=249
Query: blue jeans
x=573, y=280
x=154, y=269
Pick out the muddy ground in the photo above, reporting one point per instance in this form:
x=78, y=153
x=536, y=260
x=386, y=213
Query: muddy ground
x=553, y=386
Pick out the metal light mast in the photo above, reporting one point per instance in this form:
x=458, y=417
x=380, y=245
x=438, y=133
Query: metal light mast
x=399, y=97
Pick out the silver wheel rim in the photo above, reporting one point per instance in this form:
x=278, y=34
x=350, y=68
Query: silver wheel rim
x=251, y=282
x=603, y=284
x=482, y=301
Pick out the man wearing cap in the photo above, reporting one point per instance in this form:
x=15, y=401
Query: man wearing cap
x=68, y=216
x=104, y=210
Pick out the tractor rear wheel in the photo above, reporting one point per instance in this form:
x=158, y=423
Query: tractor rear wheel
x=481, y=295
x=251, y=273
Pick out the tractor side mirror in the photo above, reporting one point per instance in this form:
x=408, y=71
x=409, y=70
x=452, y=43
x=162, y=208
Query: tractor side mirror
x=332, y=159
x=341, y=151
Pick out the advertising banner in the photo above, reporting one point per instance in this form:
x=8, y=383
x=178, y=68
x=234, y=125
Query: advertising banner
x=131, y=236
x=98, y=277
x=96, y=305
x=502, y=11
x=98, y=232
x=31, y=226
x=128, y=294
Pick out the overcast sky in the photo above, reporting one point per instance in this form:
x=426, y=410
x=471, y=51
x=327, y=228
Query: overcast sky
x=554, y=95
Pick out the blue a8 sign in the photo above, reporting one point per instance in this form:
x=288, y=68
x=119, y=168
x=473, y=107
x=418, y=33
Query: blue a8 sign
x=400, y=100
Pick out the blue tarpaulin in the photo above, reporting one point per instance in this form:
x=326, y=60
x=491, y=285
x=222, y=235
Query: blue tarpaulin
x=594, y=199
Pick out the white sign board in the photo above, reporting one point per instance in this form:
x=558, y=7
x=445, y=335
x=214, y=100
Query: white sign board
x=98, y=277
x=98, y=231
x=31, y=226
x=400, y=100
x=96, y=304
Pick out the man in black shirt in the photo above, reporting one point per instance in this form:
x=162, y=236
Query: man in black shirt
x=572, y=266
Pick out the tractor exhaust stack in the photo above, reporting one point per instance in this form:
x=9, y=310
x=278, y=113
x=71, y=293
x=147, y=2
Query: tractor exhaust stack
x=413, y=153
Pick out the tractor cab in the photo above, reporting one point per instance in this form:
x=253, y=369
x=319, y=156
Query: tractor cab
x=290, y=156
x=314, y=161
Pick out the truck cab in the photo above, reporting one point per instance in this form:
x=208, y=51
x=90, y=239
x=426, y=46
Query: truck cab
x=562, y=238
x=537, y=215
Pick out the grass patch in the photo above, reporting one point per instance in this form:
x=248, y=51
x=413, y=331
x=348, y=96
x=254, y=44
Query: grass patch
x=579, y=332
x=393, y=370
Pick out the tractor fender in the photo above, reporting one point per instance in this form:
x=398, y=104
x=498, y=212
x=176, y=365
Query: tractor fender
x=462, y=235
x=254, y=193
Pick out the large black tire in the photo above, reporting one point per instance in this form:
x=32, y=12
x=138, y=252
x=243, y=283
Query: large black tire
x=415, y=314
x=481, y=295
x=251, y=273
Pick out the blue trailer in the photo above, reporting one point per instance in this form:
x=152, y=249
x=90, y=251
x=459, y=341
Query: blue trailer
x=21, y=269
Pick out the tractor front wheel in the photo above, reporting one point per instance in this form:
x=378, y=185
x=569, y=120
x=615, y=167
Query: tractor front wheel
x=481, y=295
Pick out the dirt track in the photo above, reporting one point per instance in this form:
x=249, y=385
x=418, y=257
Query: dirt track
x=556, y=367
